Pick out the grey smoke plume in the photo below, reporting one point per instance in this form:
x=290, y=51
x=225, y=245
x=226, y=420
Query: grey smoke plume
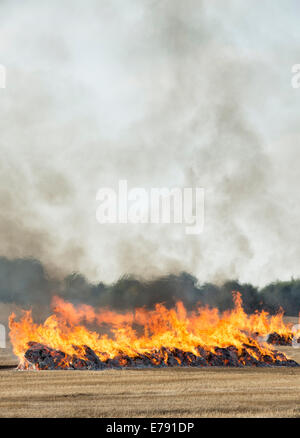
x=161, y=93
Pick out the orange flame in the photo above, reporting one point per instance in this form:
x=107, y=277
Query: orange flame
x=141, y=331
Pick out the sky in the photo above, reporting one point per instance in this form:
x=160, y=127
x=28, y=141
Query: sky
x=162, y=93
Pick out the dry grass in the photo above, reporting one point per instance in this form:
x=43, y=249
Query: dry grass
x=177, y=392
x=211, y=392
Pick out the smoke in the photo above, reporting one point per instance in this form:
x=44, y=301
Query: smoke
x=163, y=94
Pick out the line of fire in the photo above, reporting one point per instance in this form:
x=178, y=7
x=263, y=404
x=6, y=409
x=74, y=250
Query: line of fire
x=82, y=337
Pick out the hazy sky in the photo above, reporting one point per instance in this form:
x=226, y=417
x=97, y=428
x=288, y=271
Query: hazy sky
x=161, y=93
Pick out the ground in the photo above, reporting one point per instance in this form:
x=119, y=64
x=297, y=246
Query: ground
x=173, y=392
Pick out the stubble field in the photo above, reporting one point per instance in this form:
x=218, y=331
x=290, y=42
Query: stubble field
x=173, y=392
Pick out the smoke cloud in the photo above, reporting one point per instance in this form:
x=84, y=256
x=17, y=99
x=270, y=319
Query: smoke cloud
x=162, y=94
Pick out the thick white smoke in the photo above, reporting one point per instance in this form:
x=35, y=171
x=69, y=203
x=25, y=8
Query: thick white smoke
x=161, y=93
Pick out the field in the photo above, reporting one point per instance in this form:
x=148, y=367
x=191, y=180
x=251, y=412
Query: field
x=212, y=392
x=173, y=392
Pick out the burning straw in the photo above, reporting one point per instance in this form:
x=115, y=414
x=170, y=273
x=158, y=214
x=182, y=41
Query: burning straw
x=148, y=338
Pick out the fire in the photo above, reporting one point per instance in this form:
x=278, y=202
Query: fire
x=147, y=333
